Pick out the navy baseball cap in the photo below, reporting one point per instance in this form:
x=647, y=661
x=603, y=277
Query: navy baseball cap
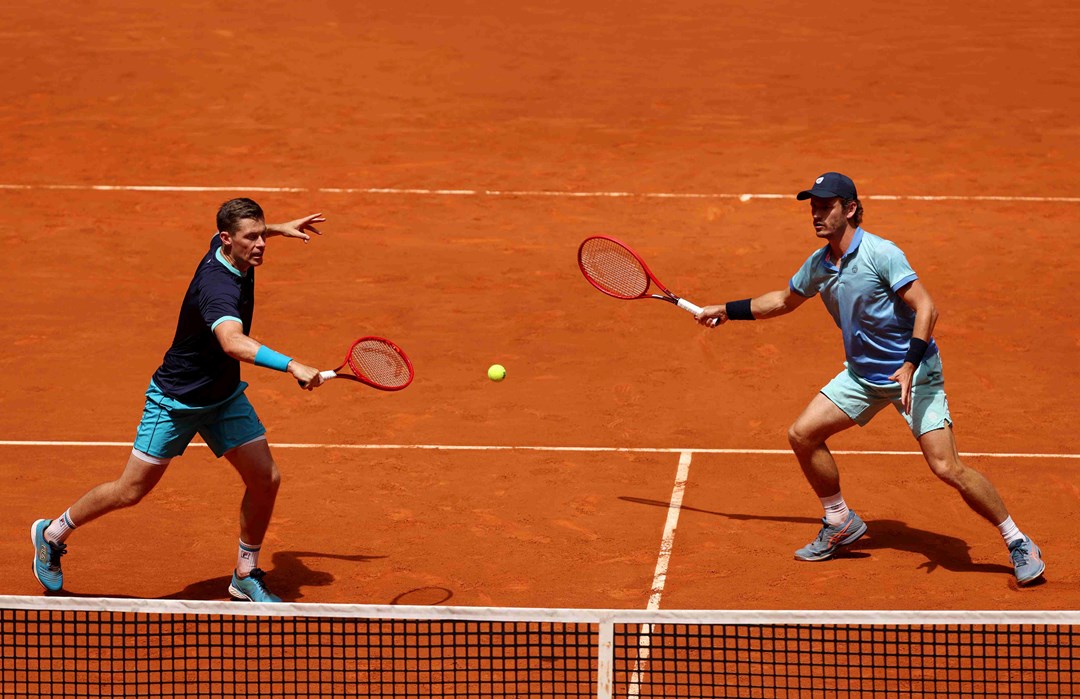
x=831, y=184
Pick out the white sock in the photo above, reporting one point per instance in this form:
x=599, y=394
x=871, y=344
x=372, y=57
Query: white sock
x=247, y=559
x=1009, y=531
x=836, y=510
x=60, y=528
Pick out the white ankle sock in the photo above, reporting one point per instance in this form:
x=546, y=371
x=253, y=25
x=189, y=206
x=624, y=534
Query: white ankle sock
x=836, y=510
x=60, y=528
x=247, y=559
x=1009, y=531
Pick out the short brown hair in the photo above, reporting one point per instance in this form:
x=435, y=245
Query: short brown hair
x=232, y=211
x=857, y=218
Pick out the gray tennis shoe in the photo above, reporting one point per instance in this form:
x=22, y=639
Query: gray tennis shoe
x=832, y=537
x=1027, y=560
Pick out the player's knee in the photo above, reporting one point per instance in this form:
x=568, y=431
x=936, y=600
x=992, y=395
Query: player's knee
x=799, y=439
x=270, y=480
x=128, y=494
x=950, y=471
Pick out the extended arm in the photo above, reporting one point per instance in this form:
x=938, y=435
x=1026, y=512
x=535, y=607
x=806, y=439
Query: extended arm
x=296, y=228
x=230, y=335
x=769, y=305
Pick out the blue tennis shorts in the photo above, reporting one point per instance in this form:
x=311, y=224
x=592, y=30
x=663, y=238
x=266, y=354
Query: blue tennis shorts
x=862, y=400
x=168, y=426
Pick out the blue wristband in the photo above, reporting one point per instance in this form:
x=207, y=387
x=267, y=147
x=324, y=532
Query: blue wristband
x=272, y=360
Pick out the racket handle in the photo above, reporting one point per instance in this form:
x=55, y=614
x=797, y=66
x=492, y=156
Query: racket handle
x=326, y=376
x=687, y=306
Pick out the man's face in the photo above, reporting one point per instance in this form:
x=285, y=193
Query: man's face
x=248, y=243
x=830, y=218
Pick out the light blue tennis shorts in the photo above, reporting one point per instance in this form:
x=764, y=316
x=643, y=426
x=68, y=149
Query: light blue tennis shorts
x=862, y=400
x=168, y=426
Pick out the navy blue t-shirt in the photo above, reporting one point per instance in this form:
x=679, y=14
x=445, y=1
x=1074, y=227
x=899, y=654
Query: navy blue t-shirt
x=196, y=371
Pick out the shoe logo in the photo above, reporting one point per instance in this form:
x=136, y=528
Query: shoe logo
x=43, y=553
x=839, y=535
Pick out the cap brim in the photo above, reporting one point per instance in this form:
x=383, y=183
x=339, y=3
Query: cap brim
x=816, y=192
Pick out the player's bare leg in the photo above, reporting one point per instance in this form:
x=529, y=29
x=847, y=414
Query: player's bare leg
x=261, y=477
x=939, y=448
x=262, y=480
x=48, y=535
x=820, y=420
x=137, y=480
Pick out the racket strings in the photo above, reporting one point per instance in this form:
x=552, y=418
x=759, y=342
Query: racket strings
x=613, y=268
x=380, y=363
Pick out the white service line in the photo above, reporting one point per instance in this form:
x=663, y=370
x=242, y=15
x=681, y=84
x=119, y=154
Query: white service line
x=505, y=193
x=667, y=542
x=468, y=447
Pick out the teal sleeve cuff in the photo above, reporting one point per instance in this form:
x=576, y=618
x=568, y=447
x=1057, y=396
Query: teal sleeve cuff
x=272, y=360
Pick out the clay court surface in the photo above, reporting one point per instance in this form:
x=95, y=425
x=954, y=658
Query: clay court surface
x=699, y=102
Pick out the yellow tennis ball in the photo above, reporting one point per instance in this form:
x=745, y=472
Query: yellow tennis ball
x=496, y=372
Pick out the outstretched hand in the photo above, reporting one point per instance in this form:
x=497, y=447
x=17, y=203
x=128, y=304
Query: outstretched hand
x=298, y=228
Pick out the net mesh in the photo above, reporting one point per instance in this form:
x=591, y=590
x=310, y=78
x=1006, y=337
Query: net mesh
x=812, y=660
x=379, y=362
x=613, y=268
x=63, y=647
x=86, y=654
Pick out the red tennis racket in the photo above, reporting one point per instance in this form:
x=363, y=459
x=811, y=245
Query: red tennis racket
x=615, y=269
x=376, y=362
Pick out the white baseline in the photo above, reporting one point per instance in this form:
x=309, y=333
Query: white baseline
x=745, y=197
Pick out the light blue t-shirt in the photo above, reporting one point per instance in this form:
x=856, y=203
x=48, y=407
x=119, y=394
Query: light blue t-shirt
x=860, y=295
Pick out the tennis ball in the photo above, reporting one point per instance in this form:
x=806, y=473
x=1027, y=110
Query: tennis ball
x=496, y=372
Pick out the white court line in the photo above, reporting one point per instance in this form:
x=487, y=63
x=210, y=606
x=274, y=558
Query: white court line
x=506, y=193
x=667, y=543
x=630, y=450
x=668, y=539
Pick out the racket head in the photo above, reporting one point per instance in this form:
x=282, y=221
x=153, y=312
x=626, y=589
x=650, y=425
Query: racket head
x=614, y=268
x=380, y=363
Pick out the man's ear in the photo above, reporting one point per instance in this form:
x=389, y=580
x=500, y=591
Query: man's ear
x=852, y=207
x=226, y=238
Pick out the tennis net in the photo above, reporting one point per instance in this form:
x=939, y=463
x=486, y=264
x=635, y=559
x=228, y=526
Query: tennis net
x=97, y=647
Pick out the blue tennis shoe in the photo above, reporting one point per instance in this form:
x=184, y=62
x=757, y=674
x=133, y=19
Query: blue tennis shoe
x=251, y=588
x=47, y=557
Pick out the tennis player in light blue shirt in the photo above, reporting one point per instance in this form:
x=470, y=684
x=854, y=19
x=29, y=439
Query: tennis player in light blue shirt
x=886, y=317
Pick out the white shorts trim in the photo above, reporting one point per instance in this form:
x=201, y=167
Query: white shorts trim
x=261, y=437
x=143, y=456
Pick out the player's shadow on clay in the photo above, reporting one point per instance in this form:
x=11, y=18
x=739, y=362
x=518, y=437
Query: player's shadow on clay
x=287, y=576
x=940, y=550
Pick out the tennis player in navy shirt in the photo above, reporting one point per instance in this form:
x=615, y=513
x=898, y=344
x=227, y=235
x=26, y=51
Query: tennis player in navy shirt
x=197, y=389
x=887, y=318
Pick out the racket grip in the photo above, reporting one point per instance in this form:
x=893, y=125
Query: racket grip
x=326, y=376
x=687, y=306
